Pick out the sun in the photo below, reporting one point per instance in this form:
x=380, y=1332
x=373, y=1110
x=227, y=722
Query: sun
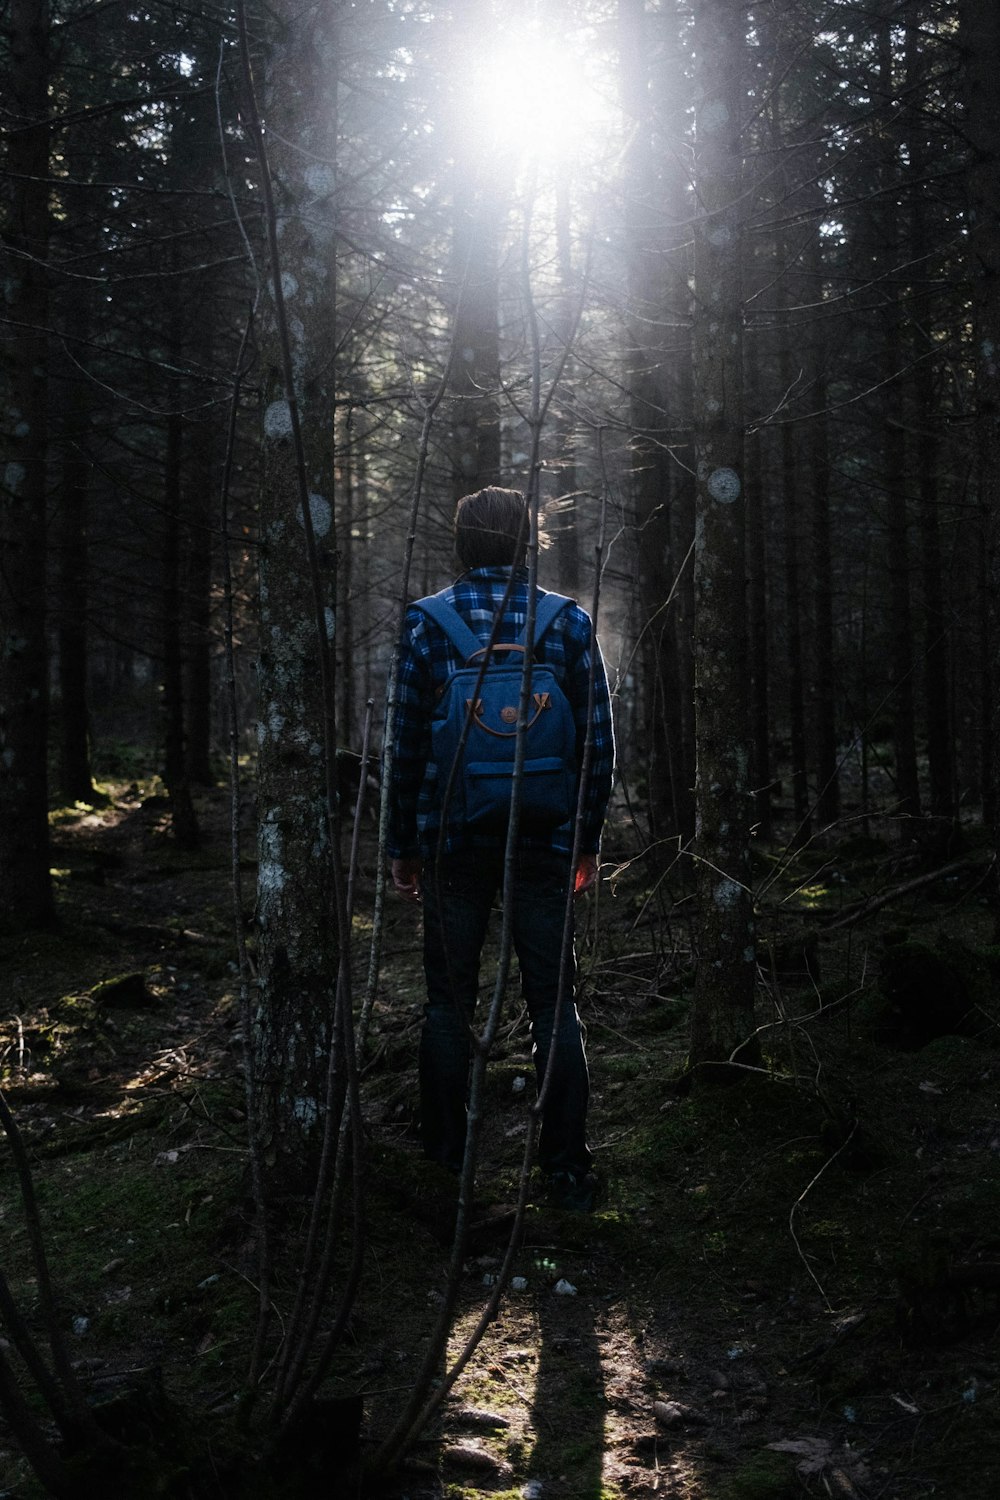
x=532, y=97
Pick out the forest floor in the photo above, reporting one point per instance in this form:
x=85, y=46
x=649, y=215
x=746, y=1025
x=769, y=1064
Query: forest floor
x=788, y=1287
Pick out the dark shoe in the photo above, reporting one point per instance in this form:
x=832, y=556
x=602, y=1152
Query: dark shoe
x=576, y=1192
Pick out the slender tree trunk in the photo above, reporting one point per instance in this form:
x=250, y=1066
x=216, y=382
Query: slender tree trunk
x=567, y=538
x=198, y=548
x=936, y=675
x=477, y=218
x=183, y=819
x=722, y=1022
x=937, y=686
x=901, y=659
x=980, y=35
x=791, y=482
x=792, y=541
x=25, y=887
x=823, y=689
x=195, y=149
x=757, y=569
x=75, y=779
x=345, y=618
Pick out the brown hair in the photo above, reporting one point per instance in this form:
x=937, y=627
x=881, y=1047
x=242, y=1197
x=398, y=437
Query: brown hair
x=491, y=528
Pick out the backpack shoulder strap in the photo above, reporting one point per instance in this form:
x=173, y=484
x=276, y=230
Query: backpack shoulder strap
x=462, y=637
x=548, y=607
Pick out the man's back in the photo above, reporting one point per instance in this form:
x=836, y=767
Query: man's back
x=428, y=658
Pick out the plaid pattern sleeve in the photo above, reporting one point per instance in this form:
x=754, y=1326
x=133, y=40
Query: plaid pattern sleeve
x=597, y=792
x=426, y=660
x=412, y=738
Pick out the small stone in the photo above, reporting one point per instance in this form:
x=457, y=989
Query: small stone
x=519, y=1283
x=80, y=1325
x=564, y=1288
x=519, y=1085
x=113, y=1265
x=533, y=1490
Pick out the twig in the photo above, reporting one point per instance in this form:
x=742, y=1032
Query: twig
x=862, y=909
x=798, y=1204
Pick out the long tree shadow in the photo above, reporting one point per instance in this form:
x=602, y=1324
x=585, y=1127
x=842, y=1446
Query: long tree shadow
x=569, y=1405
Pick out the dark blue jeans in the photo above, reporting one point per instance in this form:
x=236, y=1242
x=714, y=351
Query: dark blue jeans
x=456, y=915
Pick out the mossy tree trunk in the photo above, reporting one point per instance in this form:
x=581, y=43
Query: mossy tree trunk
x=723, y=1012
x=297, y=945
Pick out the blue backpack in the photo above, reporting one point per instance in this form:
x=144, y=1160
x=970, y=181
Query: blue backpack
x=482, y=785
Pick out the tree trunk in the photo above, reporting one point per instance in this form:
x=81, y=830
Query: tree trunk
x=345, y=619
x=760, y=718
x=298, y=947
x=566, y=527
x=936, y=675
x=477, y=217
x=901, y=660
x=823, y=690
x=722, y=1022
x=182, y=814
x=199, y=495
x=792, y=541
x=75, y=779
x=648, y=367
x=980, y=34
x=25, y=886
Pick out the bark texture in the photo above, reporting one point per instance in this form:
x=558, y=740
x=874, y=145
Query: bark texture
x=297, y=932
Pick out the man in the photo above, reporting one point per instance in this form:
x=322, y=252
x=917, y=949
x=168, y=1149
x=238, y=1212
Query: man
x=457, y=869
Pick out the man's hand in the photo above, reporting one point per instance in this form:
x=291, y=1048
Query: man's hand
x=406, y=878
x=586, y=874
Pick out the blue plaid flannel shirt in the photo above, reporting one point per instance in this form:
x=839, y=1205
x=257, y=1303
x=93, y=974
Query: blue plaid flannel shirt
x=428, y=658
